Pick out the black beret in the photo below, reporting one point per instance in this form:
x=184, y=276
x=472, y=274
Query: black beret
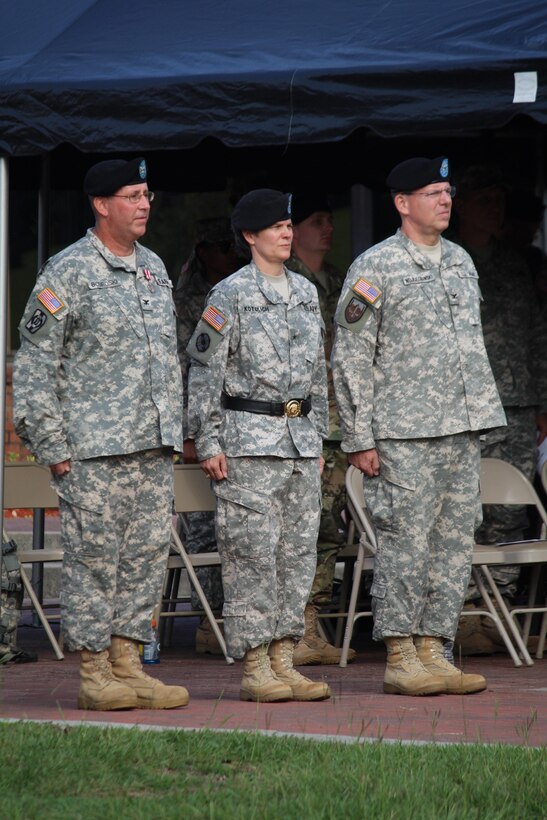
x=105, y=178
x=261, y=208
x=417, y=173
x=304, y=205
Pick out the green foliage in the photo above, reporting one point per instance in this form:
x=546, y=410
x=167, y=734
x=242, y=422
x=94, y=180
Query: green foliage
x=52, y=772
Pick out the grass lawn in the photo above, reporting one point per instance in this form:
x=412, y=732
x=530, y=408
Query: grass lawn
x=50, y=771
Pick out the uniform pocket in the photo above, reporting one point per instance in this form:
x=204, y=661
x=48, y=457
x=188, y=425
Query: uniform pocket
x=243, y=523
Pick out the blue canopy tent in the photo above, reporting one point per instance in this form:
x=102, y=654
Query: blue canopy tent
x=107, y=77
x=135, y=76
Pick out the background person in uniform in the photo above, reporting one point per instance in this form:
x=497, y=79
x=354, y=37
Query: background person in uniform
x=312, y=239
x=515, y=336
x=212, y=259
x=98, y=397
x=414, y=388
x=257, y=413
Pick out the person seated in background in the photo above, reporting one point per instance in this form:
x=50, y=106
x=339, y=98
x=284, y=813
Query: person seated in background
x=313, y=230
x=515, y=336
x=212, y=259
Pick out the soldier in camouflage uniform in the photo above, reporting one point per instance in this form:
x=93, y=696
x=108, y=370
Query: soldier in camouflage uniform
x=257, y=412
x=213, y=258
x=414, y=387
x=98, y=397
x=11, y=601
x=515, y=336
x=312, y=239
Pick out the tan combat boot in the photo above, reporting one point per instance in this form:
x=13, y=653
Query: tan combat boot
x=281, y=657
x=312, y=649
x=99, y=689
x=206, y=640
x=430, y=652
x=259, y=682
x=151, y=693
x=405, y=673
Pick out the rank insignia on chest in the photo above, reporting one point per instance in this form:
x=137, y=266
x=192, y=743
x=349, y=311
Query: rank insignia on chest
x=214, y=318
x=49, y=300
x=370, y=293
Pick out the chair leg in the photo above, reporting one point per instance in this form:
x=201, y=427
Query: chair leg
x=494, y=615
x=41, y=615
x=357, y=574
x=202, y=597
x=507, y=616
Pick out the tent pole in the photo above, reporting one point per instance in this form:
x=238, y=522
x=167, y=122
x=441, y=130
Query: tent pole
x=4, y=239
x=362, y=223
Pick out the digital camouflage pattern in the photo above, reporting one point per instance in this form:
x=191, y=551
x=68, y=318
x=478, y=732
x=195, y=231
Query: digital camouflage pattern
x=200, y=536
x=190, y=297
x=425, y=506
x=96, y=380
x=411, y=363
x=11, y=598
x=95, y=375
x=333, y=488
x=267, y=522
x=515, y=336
x=252, y=344
x=115, y=529
x=411, y=373
x=256, y=346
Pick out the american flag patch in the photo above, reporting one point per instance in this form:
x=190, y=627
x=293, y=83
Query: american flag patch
x=214, y=318
x=367, y=291
x=50, y=300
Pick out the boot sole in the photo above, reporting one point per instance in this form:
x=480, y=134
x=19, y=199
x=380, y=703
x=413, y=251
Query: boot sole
x=432, y=689
x=248, y=696
x=303, y=698
x=146, y=704
x=466, y=690
x=109, y=706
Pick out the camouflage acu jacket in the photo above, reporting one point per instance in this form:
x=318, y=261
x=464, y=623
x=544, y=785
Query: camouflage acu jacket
x=409, y=358
x=251, y=344
x=515, y=329
x=97, y=371
x=329, y=285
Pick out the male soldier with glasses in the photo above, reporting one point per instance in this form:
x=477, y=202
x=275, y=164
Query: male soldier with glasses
x=414, y=388
x=98, y=397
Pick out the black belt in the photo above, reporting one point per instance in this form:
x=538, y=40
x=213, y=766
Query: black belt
x=293, y=408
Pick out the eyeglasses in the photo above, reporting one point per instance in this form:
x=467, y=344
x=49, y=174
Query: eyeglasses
x=433, y=195
x=134, y=199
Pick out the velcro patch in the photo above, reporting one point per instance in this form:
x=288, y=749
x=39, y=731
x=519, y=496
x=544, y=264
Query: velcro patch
x=36, y=321
x=214, y=317
x=50, y=301
x=367, y=291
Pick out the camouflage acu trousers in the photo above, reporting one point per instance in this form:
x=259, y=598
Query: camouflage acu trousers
x=425, y=506
x=516, y=444
x=331, y=537
x=267, y=521
x=115, y=526
x=200, y=536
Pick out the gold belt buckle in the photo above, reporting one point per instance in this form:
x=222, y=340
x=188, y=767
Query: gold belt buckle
x=293, y=408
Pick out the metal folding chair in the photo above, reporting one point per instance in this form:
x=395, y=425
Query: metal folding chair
x=27, y=485
x=193, y=493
